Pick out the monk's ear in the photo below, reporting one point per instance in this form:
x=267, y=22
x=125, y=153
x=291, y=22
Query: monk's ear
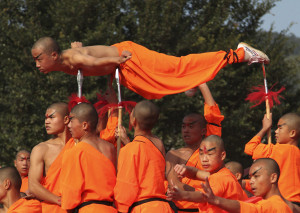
x=66, y=119
x=85, y=125
x=292, y=133
x=274, y=178
x=223, y=155
x=6, y=184
x=54, y=55
x=238, y=176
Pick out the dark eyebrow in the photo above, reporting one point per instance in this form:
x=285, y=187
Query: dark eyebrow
x=71, y=117
x=211, y=149
x=281, y=125
x=35, y=58
x=48, y=116
x=255, y=171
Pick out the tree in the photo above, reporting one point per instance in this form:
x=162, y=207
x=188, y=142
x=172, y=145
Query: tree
x=176, y=27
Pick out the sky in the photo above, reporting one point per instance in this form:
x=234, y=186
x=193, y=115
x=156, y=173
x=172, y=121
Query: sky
x=284, y=13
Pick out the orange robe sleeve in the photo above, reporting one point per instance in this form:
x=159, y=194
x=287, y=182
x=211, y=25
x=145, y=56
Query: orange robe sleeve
x=108, y=134
x=224, y=184
x=154, y=75
x=141, y=175
x=213, y=118
x=24, y=206
x=87, y=175
x=273, y=204
x=24, y=186
x=287, y=157
x=52, y=180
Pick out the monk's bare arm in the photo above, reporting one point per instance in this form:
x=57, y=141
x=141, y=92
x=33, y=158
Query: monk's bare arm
x=171, y=176
x=96, y=64
x=35, y=175
x=208, y=98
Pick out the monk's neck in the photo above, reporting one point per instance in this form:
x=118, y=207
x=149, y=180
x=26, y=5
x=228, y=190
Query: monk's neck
x=193, y=146
x=218, y=169
x=89, y=137
x=273, y=191
x=12, y=197
x=142, y=132
x=65, y=136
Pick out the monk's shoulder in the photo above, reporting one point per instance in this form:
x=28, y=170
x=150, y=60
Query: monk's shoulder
x=178, y=156
x=40, y=148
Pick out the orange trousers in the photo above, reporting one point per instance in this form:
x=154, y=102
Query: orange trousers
x=154, y=75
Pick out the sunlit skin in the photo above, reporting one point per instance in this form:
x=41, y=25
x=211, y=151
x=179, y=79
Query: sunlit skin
x=44, y=62
x=191, y=130
x=54, y=122
x=75, y=127
x=260, y=180
x=282, y=132
x=211, y=156
x=22, y=163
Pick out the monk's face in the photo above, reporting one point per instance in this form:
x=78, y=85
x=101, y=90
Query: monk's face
x=44, y=62
x=75, y=127
x=54, y=122
x=282, y=133
x=211, y=156
x=22, y=163
x=191, y=130
x=260, y=180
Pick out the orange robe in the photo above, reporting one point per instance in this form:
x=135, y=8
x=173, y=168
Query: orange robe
x=52, y=180
x=213, y=118
x=87, y=175
x=154, y=75
x=273, y=204
x=224, y=184
x=24, y=186
x=141, y=175
x=24, y=206
x=288, y=158
x=108, y=134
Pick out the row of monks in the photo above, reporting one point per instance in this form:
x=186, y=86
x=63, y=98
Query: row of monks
x=78, y=170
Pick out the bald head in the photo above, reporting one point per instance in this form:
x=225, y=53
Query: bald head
x=86, y=112
x=269, y=165
x=215, y=139
x=47, y=44
x=198, y=118
x=61, y=108
x=13, y=175
x=146, y=114
x=292, y=120
x=235, y=167
x=22, y=151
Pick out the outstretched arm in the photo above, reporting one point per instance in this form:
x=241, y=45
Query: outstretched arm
x=190, y=172
x=208, y=98
x=35, y=175
x=226, y=204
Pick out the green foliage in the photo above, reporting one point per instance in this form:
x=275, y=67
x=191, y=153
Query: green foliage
x=176, y=27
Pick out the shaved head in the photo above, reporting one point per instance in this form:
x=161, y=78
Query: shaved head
x=47, y=44
x=13, y=175
x=61, y=108
x=86, y=112
x=217, y=140
x=235, y=167
x=146, y=114
x=268, y=164
x=22, y=151
x=293, y=122
x=198, y=117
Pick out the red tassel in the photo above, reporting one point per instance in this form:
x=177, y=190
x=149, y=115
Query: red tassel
x=259, y=95
x=74, y=100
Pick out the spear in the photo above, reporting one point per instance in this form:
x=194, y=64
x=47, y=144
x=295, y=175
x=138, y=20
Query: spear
x=267, y=101
x=120, y=110
x=79, y=82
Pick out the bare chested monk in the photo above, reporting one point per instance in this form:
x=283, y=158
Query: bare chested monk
x=45, y=162
x=148, y=73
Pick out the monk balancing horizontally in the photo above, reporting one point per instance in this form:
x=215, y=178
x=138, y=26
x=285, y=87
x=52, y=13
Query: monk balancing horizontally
x=146, y=72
